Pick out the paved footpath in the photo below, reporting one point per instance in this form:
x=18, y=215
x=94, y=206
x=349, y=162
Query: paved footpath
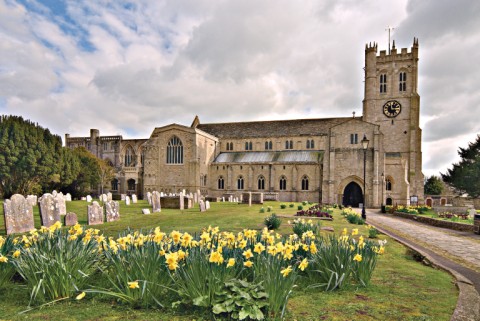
x=458, y=252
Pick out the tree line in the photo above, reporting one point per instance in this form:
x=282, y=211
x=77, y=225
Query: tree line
x=33, y=161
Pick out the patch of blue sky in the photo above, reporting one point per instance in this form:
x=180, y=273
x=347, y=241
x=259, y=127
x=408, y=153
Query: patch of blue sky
x=130, y=132
x=56, y=11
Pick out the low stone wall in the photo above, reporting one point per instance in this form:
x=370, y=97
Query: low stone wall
x=450, y=209
x=438, y=223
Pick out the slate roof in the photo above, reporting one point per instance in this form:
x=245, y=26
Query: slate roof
x=270, y=157
x=275, y=128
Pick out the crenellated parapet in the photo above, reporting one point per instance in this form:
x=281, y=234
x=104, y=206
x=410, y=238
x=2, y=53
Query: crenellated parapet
x=403, y=54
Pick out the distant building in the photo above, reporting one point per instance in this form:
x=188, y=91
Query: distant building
x=318, y=160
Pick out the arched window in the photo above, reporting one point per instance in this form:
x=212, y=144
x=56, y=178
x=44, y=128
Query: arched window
x=231, y=146
x=115, y=184
x=312, y=144
x=175, y=151
x=289, y=144
x=129, y=157
x=305, y=183
x=388, y=184
x=383, y=83
x=402, y=81
x=221, y=183
x=240, y=182
x=248, y=146
x=131, y=184
x=283, y=183
x=261, y=183
x=268, y=145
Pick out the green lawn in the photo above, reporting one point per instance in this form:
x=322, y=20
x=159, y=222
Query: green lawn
x=401, y=288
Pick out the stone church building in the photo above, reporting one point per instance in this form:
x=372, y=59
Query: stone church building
x=318, y=160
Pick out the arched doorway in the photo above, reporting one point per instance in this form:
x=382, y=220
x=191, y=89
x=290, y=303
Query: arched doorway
x=352, y=195
x=429, y=202
x=389, y=201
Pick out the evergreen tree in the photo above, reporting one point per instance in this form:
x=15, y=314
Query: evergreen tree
x=464, y=176
x=433, y=185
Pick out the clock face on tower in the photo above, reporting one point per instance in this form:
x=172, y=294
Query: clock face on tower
x=392, y=108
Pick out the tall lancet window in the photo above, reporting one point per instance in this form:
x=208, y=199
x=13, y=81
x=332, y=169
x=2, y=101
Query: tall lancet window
x=175, y=151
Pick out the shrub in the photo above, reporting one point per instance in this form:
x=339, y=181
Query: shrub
x=291, y=205
x=304, y=203
x=272, y=222
x=262, y=210
x=283, y=206
x=269, y=208
x=372, y=232
x=353, y=217
x=299, y=207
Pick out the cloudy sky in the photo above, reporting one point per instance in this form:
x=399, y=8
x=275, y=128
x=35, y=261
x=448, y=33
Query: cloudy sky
x=125, y=67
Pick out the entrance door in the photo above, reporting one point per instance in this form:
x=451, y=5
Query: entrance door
x=352, y=195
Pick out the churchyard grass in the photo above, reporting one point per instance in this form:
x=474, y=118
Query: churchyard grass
x=400, y=288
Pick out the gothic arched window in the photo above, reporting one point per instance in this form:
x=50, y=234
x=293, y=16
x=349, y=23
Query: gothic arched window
x=305, y=183
x=383, y=83
x=388, y=184
x=175, y=151
x=221, y=183
x=240, y=182
x=261, y=183
x=283, y=183
x=129, y=157
x=115, y=184
x=402, y=81
x=131, y=184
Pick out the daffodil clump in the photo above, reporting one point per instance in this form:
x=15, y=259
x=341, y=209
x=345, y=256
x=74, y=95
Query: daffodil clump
x=55, y=263
x=353, y=216
x=7, y=251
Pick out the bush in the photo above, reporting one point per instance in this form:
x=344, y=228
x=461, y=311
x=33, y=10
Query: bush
x=283, y=206
x=353, y=217
x=299, y=207
x=372, y=232
x=291, y=205
x=262, y=210
x=269, y=208
x=272, y=222
x=304, y=203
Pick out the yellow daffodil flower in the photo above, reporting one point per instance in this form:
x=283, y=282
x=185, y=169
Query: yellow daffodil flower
x=133, y=285
x=303, y=265
x=3, y=259
x=16, y=254
x=231, y=262
x=80, y=296
x=248, y=264
x=286, y=271
x=259, y=248
x=358, y=258
x=248, y=254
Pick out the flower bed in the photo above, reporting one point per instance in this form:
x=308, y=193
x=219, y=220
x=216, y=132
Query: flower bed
x=316, y=211
x=436, y=222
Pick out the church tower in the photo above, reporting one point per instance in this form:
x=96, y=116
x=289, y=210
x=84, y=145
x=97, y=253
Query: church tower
x=391, y=101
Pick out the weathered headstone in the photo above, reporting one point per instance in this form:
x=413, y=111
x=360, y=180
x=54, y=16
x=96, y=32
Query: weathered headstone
x=127, y=200
x=207, y=205
x=48, y=214
x=89, y=199
x=199, y=195
x=18, y=215
x=109, y=197
x=60, y=205
x=54, y=193
x=202, y=206
x=195, y=198
x=123, y=196
x=104, y=198
x=32, y=199
x=182, y=201
x=149, y=198
x=70, y=219
x=112, y=210
x=249, y=198
x=134, y=199
x=145, y=211
x=68, y=197
x=156, y=205
x=95, y=214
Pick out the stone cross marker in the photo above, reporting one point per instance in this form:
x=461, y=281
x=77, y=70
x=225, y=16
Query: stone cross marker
x=202, y=206
x=112, y=211
x=70, y=219
x=95, y=214
x=156, y=205
x=134, y=199
x=48, y=213
x=127, y=200
x=18, y=215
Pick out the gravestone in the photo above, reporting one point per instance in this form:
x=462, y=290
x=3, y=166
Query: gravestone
x=195, y=198
x=104, y=198
x=156, y=205
x=134, y=199
x=182, y=202
x=202, y=206
x=18, y=214
x=149, y=198
x=145, y=211
x=95, y=214
x=70, y=219
x=48, y=213
x=112, y=211
x=83, y=198
x=207, y=205
x=89, y=199
x=54, y=193
x=249, y=198
x=60, y=205
x=161, y=194
x=32, y=199
x=471, y=212
x=223, y=199
x=189, y=202
x=123, y=196
x=109, y=197
x=68, y=197
x=127, y=200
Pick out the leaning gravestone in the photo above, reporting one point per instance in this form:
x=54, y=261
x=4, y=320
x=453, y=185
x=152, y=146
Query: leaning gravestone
x=89, y=199
x=48, y=214
x=70, y=219
x=156, y=205
x=95, y=214
x=18, y=215
x=207, y=205
x=68, y=197
x=60, y=205
x=112, y=211
x=134, y=199
x=127, y=200
x=202, y=206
